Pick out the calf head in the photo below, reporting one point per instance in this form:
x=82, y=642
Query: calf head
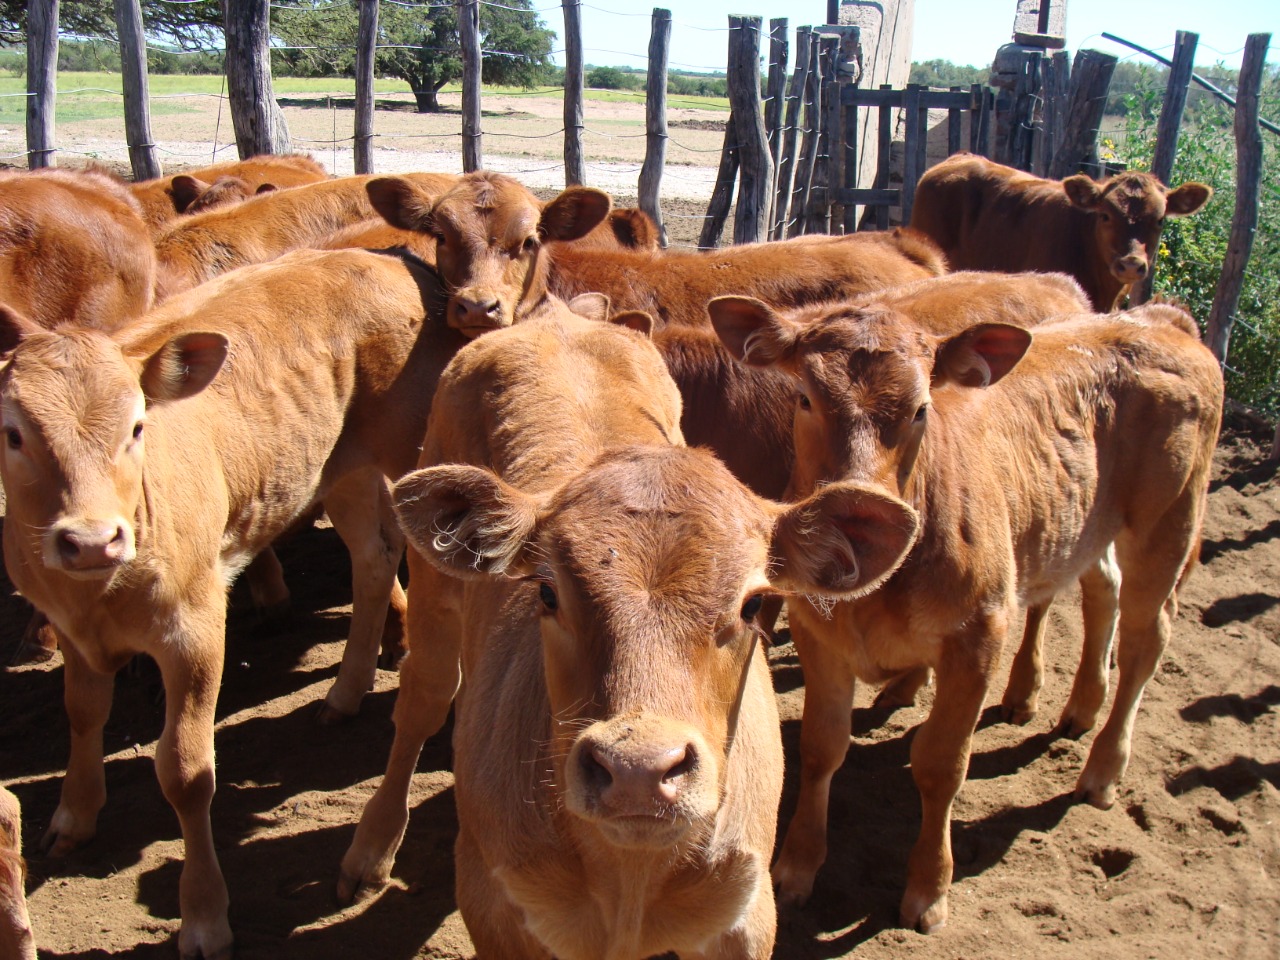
x=489, y=232
x=864, y=377
x=73, y=406
x=1128, y=213
x=645, y=573
x=192, y=195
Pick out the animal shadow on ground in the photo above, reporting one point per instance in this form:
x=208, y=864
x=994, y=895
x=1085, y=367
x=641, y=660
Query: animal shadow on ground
x=1211, y=549
x=1246, y=709
x=1232, y=780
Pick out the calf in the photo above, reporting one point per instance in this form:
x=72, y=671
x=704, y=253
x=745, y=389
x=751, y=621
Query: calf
x=143, y=470
x=164, y=198
x=990, y=217
x=200, y=247
x=617, y=731
x=495, y=251
x=16, y=939
x=1028, y=455
x=73, y=249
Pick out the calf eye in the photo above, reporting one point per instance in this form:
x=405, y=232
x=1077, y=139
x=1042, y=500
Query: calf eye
x=921, y=413
x=137, y=430
x=438, y=238
x=752, y=607
x=549, y=598
x=530, y=244
x=14, y=438
x=805, y=404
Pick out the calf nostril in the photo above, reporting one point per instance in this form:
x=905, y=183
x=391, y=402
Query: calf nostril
x=68, y=546
x=493, y=308
x=683, y=761
x=595, y=769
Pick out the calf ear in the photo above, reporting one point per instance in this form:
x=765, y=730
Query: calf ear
x=1187, y=199
x=842, y=542
x=1082, y=191
x=183, y=367
x=401, y=203
x=751, y=331
x=591, y=306
x=466, y=521
x=186, y=190
x=266, y=188
x=13, y=327
x=981, y=355
x=637, y=320
x=573, y=213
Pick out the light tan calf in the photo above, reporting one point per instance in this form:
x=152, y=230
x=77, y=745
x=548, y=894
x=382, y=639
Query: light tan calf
x=195, y=249
x=616, y=732
x=1026, y=470
x=16, y=939
x=144, y=471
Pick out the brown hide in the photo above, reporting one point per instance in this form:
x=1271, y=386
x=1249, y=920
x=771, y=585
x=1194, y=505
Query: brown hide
x=129, y=513
x=1101, y=435
x=990, y=217
x=195, y=249
x=73, y=249
x=625, y=228
x=165, y=198
x=16, y=939
x=617, y=731
x=377, y=234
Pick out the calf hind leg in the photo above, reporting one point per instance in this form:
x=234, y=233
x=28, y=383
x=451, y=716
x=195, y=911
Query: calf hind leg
x=1100, y=602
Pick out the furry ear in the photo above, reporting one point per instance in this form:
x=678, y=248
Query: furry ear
x=574, y=213
x=401, y=203
x=1187, y=199
x=751, y=331
x=637, y=320
x=1082, y=191
x=266, y=188
x=183, y=366
x=466, y=521
x=842, y=542
x=185, y=190
x=981, y=355
x=635, y=229
x=591, y=306
x=14, y=326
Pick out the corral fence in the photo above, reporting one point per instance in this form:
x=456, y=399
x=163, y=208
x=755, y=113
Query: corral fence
x=793, y=154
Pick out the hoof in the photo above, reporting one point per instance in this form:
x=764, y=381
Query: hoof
x=352, y=889
x=327, y=716
x=790, y=889
x=26, y=654
x=1071, y=728
x=1019, y=716
x=57, y=845
x=928, y=920
x=1104, y=797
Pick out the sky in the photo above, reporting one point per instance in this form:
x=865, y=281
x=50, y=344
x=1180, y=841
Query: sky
x=616, y=32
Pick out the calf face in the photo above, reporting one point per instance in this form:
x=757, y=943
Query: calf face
x=16, y=942
x=489, y=231
x=73, y=409
x=1128, y=213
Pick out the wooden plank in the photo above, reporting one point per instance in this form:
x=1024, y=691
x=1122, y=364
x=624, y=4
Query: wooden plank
x=469, y=35
x=258, y=120
x=722, y=193
x=1244, y=221
x=42, y=82
x=1041, y=23
x=366, y=52
x=755, y=166
x=1090, y=80
x=911, y=167
x=835, y=156
x=787, y=157
x=849, y=163
x=575, y=167
x=655, y=119
x=954, y=124
x=882, y=170
x=133, y=74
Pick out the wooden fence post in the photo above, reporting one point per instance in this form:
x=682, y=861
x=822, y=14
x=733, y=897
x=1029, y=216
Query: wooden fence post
x=366, y=52
x=258, y=120
x=655, y=119
x=1244, y=221
x=787, y=157
x=809, y=144
x=42, y=82
x=575, y=168
x=1175, y=99
x=133, y=74
x=722, y=193
x=755, y=167
x=1090, y=81
x=775, y=93
x=1055, y=86
x=469, y=34
x=818, y=209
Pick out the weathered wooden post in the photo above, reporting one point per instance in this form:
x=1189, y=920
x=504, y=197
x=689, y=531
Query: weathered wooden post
x=1055, y=86
x=809, y=143
x=469, y=35
x=366, y=52
x=133, y=74
x=575, y=168
x=722, y=193
x=1175, y=100
x=655, y=119
x=42, y=82
x=1090, y=81
x=774, y=94
x=818, y=210
x=751, y=221
x=1244, y=222
x=787, y=157
x=258, y=120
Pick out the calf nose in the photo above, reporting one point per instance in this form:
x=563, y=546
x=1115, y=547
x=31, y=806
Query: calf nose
x=92, y=544
x=477, y=313
x=1131, y=268
x=630, y=777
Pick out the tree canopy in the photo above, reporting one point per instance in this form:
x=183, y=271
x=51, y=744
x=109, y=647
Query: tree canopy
x=186, y=24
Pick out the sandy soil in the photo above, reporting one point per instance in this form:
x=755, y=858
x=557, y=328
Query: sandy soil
x=1184, y=865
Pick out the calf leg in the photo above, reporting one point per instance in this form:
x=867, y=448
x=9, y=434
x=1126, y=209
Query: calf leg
x=87, y=694
x=192, y=670
x=940, y=760
x=429, y=679
x=824, y=742
x=16, y=939
x=1022, y=696
x=1100, y=601
x=901, y=690
x=265, y=577
x=39, y=641
x=360, y=508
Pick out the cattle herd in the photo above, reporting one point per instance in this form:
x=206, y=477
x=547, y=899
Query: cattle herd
x=610, y=463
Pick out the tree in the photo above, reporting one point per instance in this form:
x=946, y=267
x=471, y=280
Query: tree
x=191, y=24
x=420, y=45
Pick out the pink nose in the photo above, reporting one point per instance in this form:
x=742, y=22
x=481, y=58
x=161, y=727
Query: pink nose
x=91, y=544
x=477, y=313
x=626, y=776
x=1131, y=268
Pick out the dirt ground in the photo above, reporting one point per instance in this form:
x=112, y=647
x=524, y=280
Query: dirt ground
x=1185, y=864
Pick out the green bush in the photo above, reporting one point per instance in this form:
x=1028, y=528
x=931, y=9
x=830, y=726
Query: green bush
x=1192, y=248
x=612, y=78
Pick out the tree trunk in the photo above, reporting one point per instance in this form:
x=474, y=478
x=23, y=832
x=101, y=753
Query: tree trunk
x=426, y=100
